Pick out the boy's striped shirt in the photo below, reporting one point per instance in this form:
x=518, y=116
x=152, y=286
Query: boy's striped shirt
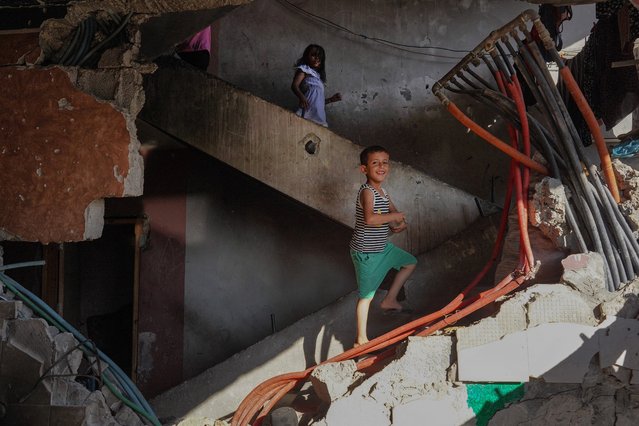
x=370, y=239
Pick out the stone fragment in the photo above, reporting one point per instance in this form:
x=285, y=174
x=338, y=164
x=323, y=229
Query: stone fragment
x=330, y=381
x=503, y=360
x=547, y=211
x=624, y=303
x=628, y=179
x=97, y=412
x=64, y=344
x=585, y=273
x=68, y=392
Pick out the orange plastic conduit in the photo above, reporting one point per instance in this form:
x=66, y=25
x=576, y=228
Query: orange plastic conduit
x=589, y=116
x=493, y=140
x=266, y=395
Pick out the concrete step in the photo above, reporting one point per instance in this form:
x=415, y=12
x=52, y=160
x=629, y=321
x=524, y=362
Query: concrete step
x=272, y=145
x=219, y=390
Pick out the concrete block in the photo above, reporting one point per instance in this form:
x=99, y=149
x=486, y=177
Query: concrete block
x=510, y=318
x=9, y=310
x=126, y=416
x=21, y=371
x=561, y=353
x=67, y=392
x=446, y=408
x=357, y=410
x=33, y=336
x=27, y=415
x=421, y=365
x=558, y=303
x=504, y=360
x=63, y=343
x=97, y=412
x=67, y=416
x=619, y=343
x=330, y=381
x=624, y=303
x=585, y=273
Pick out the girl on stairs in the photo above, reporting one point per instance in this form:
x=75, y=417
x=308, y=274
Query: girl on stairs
x=308, y=85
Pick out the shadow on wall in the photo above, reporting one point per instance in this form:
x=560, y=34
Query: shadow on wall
x=591, y=368
x=486, y=399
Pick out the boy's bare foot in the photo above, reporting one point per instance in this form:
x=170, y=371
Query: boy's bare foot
x=360, y=343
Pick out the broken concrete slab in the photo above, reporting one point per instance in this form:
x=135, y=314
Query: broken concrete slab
x=623, y=303
x=357, y=410
x=558, y=303
x=22, y=372
x=9, y=309
x=34, y=337
x=445, y=408
x=619, y=343
x=67, y=392
x=97, y=413
x=561, y=352
x=557, y=352
x=503, y=360
x=511, y=318
x=331, y=381
x=66, y=346
x=420, y=365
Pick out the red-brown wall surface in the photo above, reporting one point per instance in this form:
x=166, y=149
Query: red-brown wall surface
x=60, y=149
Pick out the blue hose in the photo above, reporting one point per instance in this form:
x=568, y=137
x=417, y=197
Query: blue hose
x=52, y=317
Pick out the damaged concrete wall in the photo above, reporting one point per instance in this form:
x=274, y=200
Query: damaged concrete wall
x=70, y=137
x=386, y=91
x=63, y=152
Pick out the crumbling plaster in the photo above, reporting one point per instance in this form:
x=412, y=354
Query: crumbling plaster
x=70, y=138
x=62, y=150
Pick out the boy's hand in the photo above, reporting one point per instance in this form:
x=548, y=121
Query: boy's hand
x=303, y=103
x=395, y=227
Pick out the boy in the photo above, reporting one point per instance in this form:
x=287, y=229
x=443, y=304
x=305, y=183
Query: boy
x=373, y=256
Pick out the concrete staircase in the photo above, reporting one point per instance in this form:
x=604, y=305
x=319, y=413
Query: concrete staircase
x=217, y=392
x=297, y=157
x=319, y=168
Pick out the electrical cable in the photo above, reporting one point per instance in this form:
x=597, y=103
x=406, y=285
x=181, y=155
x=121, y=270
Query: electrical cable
x=398, y=46
x=52, y=317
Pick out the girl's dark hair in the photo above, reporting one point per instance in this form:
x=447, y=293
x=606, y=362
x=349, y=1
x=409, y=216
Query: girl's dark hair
x=363, y=156
x=322, y=56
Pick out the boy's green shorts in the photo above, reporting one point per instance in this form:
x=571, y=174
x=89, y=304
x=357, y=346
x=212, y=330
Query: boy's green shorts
x=371, y=268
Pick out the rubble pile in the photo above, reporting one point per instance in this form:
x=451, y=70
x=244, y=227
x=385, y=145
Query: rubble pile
x=45, y=379
x=561, y=352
